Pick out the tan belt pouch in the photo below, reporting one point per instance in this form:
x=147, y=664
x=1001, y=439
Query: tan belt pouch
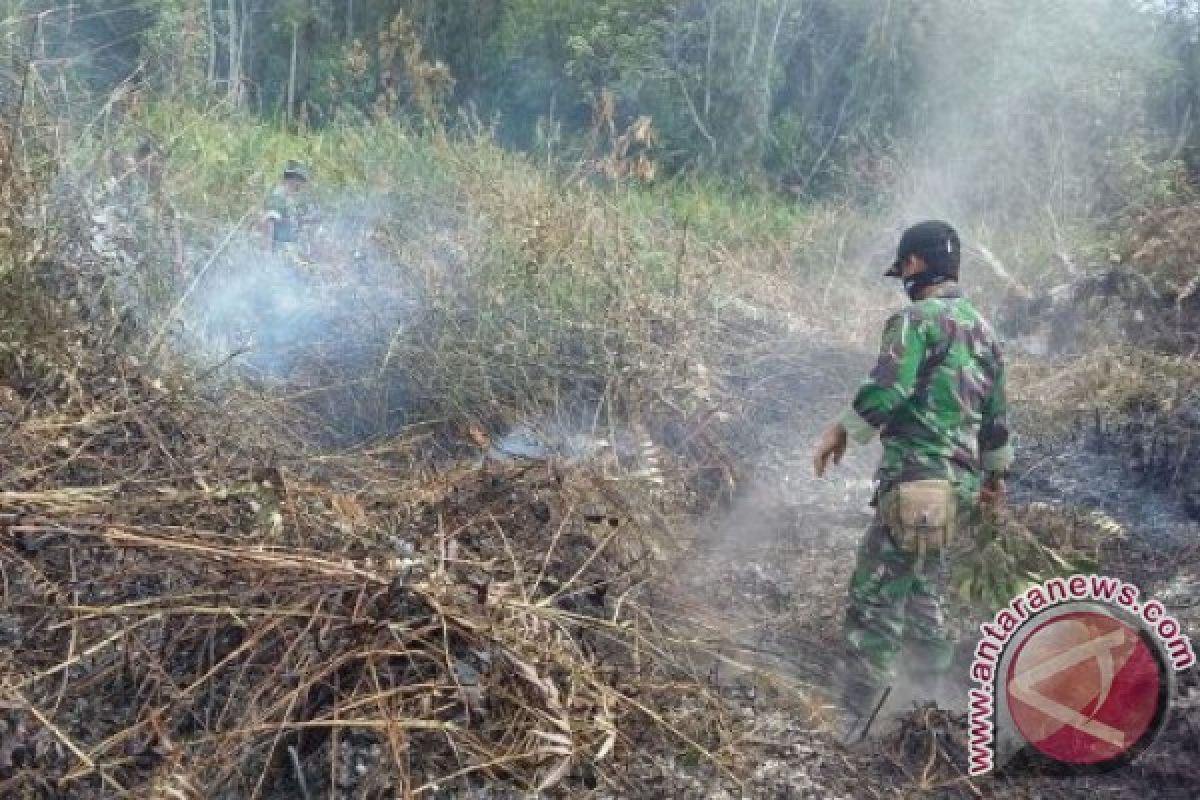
x=921, y=515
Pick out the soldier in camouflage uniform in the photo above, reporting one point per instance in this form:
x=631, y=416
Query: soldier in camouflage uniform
x=937, y=399
x=287, y=211
x=279, y=294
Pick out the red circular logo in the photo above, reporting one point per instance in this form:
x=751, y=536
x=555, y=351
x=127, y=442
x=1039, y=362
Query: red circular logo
x=1085, y=688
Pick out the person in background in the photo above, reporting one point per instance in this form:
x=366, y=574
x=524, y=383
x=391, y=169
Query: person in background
x=287, y=209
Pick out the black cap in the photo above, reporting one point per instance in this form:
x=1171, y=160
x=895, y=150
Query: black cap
x=936, y=242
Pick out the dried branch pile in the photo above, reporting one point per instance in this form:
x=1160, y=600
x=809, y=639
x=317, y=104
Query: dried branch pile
x=186, y=613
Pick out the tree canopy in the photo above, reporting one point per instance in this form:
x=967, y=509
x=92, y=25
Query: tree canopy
x=806, y=96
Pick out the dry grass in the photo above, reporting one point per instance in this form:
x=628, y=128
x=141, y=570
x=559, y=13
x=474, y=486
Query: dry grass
x=1098, y=386
x=191, y=613
x=201, y=598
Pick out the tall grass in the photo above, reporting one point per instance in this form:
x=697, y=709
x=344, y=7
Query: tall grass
x=542, y=295
x=539, y=295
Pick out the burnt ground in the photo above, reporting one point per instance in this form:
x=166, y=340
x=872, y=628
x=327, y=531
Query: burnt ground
x=769, y=575
x=760, y=587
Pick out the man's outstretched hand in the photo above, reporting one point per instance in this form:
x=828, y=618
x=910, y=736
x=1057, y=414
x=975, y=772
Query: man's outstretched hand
x=832, y=446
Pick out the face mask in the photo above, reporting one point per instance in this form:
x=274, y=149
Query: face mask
x=918, y=283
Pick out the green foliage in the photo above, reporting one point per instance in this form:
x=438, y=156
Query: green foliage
x=540, y=293
x=716, y=212
x=1012, y=551
x=1017, y=113
x=223, y=164
x=176, y=47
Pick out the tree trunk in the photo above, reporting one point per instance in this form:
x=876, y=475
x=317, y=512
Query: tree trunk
x=752, y=50
x=349, y=20
x=765, y=90
x=291, y=88
x=235, y=55
x=708, y=58
x=211, y=74
x=244, y=36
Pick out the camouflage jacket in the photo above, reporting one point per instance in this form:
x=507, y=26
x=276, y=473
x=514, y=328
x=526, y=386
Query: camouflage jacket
x=287, y=211
x=936, y=396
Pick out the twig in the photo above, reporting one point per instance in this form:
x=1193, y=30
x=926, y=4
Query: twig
x=70, y=745
x=875, y=712
x=299, y=771
x=156, y=340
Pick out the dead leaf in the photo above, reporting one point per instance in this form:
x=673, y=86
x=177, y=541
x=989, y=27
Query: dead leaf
x=349, y=510
x=479, y=436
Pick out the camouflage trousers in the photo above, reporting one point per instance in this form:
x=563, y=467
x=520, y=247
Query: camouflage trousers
x=896, y=609
x=290, y=253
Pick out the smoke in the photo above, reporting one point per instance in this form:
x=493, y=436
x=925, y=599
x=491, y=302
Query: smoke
x=321, y=316
x=259, y=304
x=1024, y=115
x=1029, y=117
x=1028, y=121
